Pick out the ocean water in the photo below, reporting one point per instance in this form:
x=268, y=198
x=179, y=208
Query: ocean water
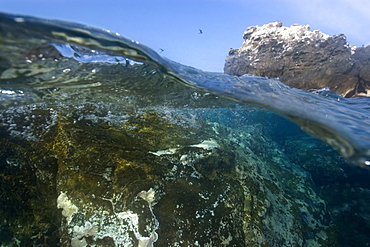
x=105, y=143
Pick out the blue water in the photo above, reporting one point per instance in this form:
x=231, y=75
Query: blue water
x=50, y=68
x=343, y=123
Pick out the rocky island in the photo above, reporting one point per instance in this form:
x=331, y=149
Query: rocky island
x=303, y=59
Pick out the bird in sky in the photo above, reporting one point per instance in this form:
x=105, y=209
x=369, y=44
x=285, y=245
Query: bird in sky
x=161, y=50
x=200, y=31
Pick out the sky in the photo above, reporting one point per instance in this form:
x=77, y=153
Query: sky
x=173, y=25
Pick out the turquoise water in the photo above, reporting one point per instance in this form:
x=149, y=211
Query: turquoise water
x=245, y=126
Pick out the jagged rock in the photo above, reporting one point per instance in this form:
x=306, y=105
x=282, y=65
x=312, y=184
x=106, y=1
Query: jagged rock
x=131, y=165
x=302, y=58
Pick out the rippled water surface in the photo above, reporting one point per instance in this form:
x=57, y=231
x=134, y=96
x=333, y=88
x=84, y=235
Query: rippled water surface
x=119, y=137
x=343, y=123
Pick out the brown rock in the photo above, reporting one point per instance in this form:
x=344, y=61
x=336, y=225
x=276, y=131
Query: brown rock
x=303, y=59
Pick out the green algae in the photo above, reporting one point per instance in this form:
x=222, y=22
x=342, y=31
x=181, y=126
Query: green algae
x=150, y=180
x=27, y=195
x=78, y=173
x=99, y=150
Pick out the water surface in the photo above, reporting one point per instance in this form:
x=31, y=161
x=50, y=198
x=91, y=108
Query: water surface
x=104, y=142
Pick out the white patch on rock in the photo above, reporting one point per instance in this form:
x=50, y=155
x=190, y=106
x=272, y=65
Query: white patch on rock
x=207, y=144
x=162, y=152
x=148, y=195
x=134, y=219
x=256, y=36
x=69, y=209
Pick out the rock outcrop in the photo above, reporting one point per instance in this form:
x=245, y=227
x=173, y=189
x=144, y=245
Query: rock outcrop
x=303, y=59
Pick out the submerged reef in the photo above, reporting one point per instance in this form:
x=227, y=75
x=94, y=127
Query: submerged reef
x=159, y=180
x=97, y=149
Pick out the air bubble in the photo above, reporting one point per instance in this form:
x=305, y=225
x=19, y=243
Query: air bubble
x=19, y=19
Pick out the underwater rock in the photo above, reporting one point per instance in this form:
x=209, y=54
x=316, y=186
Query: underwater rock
x=302, y=58
x=93, y=173
x=101, y=150
x=149, y=181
